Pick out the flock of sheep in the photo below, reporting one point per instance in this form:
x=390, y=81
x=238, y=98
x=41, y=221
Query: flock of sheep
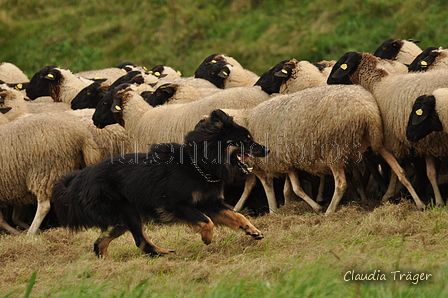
x=356, y=117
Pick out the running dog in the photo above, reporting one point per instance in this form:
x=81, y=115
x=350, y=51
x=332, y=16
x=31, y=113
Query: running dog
x=171, y=183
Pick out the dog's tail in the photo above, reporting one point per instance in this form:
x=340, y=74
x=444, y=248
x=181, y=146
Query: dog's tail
x=66, y=205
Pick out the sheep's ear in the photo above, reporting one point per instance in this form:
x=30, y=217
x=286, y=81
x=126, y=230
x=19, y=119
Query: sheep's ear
x=224, y=73
x=5, y=110
x=281, y=73
x=50, y=77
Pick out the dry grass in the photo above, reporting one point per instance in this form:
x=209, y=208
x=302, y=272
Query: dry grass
x=390, y=237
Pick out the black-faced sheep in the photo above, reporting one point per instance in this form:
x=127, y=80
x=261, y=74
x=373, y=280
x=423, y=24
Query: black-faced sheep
x=395, y=95
x=320, y=130
x=60, y=84
x=430, y=58
x=289, y=76
x=401, y=50
x=150, y=125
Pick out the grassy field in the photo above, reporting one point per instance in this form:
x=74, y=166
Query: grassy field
x=302, y=255
x=84, y=35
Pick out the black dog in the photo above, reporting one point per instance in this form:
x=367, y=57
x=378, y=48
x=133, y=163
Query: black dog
x=172, y=182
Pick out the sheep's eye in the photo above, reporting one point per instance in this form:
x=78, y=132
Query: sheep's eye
x=105, y=103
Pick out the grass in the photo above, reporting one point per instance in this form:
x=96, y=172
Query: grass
x=303, y=255
x=84, y=35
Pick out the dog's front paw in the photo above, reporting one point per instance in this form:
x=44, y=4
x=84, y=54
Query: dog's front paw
x=254, y=232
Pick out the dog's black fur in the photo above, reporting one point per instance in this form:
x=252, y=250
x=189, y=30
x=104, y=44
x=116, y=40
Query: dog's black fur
x=172, y=182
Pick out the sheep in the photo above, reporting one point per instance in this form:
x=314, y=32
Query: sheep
x=429, y=113
x=3, y=118
x=166, y=72
x=60, y=84
x=430, y=58
x=404, y=51
x=225, y=72
x=151, y=125
x=174, y=93
x=11, y=74
x=110, y=141
x=34, y=153
x=289, y=76
x=320, y=130
x=395, y=94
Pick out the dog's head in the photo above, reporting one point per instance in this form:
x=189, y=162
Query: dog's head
x=219, y=133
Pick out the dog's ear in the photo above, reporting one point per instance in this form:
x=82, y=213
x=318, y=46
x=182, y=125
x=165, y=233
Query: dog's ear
x=218, y=118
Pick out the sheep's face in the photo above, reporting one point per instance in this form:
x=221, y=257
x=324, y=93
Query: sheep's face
x=162, y=95
x=274, y=78
x=103, y=115
x=423, y=119
x=344, y=68
x=389, y=49
x=90, y=96
x=41, y=81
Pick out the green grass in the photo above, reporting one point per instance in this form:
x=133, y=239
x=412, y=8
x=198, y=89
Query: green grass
x=83, y=35
x=302, y=255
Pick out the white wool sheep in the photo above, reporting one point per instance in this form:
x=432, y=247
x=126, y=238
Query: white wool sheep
x=11, y=74
x=111, y=140
x=431, y=58
x=149, y=125
x=61, y=84
x=395, y=95
x=34, y=154
x=320, y=130
x=401, y=50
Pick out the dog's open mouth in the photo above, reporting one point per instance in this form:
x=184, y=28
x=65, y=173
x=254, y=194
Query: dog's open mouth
x=242, y=162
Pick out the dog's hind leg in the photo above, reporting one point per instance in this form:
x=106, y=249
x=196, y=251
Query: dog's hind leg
x=102, y=243
x=236, y=221
x=132, y=220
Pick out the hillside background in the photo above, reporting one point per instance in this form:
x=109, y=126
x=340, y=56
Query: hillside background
x=84, y=34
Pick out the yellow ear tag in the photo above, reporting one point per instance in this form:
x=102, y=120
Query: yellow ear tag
x=96, y=78
x=124, y=70
x=118, y=108
x=150, y=71
x=19, y=86
x=157, y=74
x=344, y=66
x=424, y=63
x=225, y=73
x=213, y=61
x=419, y=112
x=179, y=73
x=50, y=75
x=145, y=68
x=284, y=71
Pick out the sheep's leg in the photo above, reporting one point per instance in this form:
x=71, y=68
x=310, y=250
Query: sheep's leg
x=6, y=226
x=390, y=192
x=268, y=185
x=432, y=176
x=288, y=192
x=17, y=212
x=320, y=190
x=43, y=207
x=295, y=182
x=102, y=243
x=340, y=185
x=398, y=170
x=249, y=184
